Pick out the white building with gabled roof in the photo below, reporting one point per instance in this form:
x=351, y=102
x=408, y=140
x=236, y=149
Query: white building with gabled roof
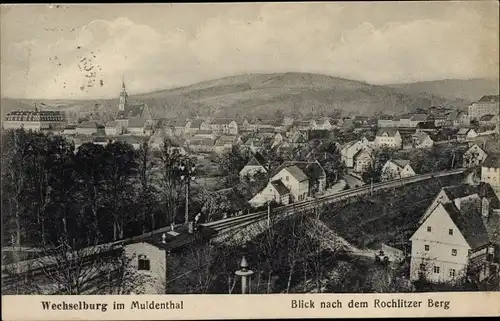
x=396, y=169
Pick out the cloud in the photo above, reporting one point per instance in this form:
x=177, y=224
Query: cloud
x=339, y=40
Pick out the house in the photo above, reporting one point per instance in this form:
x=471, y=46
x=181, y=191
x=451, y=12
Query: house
x=205, y=125
x=490, y=170
x=298, y=139
x=363, y=160
x=417, y=119
x=204, y=145
x=474, y=156
x=295, y=180
x=349, y=150
x=323, y=124
x=314, y=172
x=256, y=164
x=487, y=105
x=224, y=125
x=447, y=242
x=440, y=120
x=224, y=143
x=35, y=120
x=202, y=134
x=277, y=140
x=193, y=126
x=149, y=259
x=459, y=216
x=386, y=121
x=113, y=128
x=404, y=120
x=69, y=129
x=102, y=141
x=489, y=119
x=87, y=128
x=457, y=118
x=275, y=191
x=466, y=134
x=396, y=169
x=137, y=127
x=422, y=140
x=388, y=138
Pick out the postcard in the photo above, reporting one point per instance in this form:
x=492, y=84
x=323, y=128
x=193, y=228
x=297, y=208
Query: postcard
x=250, y=160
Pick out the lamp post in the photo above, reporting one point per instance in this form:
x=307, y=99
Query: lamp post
x=187, y=169
x=245, y=275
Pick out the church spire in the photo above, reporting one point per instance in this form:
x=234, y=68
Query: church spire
x=123, y=96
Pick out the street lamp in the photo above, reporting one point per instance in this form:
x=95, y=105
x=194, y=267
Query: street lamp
x=186, y=171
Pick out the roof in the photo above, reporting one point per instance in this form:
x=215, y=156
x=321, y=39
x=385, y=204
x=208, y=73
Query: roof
x=470, y=223
x=420, y=137
x=280, y=187
x=257, y=160
x=131, y=110
x=313, y=170
x=489, y=99
x=128, y=139
x=492, y=161
x=221, y=121
x=196, y=123
x=136, y=122
x=390, y=131
x=70, y=127
x=296, y=173
x=419, y=117
x=486, y=118
x=204, y=132
x=463, y=190
x=87, y=124
x=364, y=150
x=100, y=139
x=463, y=131
x=111, y=123
x=202, y=142
x=400, y=162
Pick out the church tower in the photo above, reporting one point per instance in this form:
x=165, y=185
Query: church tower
x=123, y=97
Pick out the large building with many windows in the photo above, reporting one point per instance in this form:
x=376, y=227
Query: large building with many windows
x=487, y=105
x=36, y=120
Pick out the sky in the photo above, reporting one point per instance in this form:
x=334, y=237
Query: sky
x=84, y=51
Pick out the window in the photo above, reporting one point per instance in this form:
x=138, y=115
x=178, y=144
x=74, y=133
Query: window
x=436, y=269
x=426, y=247
x=452, y=272
x=429, y=229
x=454, y=252
x=422, y=267
x=144, y=264
x=450, y=231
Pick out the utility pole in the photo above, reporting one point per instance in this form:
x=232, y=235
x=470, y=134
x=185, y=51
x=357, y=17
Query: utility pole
x=453, y=160
x=187, y=171
x=269, y=214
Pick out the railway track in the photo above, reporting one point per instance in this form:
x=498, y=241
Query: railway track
x=228, y=224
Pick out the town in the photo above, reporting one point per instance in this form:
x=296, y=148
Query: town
x=170, y=202
x=250, y=148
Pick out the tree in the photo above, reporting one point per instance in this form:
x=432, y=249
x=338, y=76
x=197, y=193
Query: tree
x=170, y=183
x=147, y=192
x=230, y=164
x=120, y=166
x=90, y=169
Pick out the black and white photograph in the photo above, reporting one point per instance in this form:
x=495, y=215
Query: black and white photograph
x=250, y=148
